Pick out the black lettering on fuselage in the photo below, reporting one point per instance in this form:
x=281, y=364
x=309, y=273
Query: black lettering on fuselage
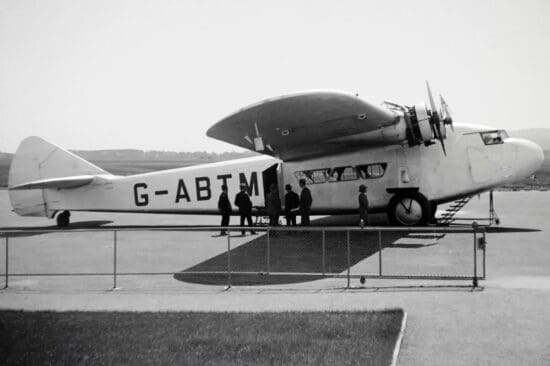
x=202, y=185
x=181, y=192
x=224, y=178
x=142, y=199
x=252, y=186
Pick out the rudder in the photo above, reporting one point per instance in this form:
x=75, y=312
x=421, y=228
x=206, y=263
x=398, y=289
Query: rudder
x=37, y=159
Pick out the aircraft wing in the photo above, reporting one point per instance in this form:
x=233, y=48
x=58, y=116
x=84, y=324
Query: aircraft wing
x=314, y=123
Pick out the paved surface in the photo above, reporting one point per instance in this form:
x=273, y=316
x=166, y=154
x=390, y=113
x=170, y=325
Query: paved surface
x=506, y=322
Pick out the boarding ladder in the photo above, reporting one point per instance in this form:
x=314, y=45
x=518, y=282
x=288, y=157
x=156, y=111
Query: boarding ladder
x=448, y=216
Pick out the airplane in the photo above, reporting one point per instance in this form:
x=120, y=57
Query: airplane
x=411, y=158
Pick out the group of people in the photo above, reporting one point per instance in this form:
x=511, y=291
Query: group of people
x=294, y=204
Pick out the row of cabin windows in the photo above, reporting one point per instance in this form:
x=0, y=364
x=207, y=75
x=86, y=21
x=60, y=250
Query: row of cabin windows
x=342, y=173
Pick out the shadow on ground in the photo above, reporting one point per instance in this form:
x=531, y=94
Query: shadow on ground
x=293, y=256
x=296, y=257
x=35, y=230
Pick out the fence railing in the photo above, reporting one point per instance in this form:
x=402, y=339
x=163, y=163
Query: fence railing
x=344, y=252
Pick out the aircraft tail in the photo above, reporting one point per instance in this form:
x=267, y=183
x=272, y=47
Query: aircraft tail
x=39, y=165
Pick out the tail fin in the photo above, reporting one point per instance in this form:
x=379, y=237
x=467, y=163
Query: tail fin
x=38, y=160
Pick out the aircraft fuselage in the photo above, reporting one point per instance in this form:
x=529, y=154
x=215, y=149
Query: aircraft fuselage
x=472, y=164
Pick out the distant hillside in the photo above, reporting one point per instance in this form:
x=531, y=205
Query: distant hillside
x=127, y=162
x=539, y=135
x=5, y=156
x=140, y=155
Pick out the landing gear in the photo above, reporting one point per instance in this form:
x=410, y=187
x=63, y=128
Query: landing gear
x=433, y=210
x=493, y=217
x=63, y=219
x=409, y=209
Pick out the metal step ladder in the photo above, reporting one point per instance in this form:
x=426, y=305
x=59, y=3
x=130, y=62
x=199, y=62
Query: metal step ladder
x=448, y=216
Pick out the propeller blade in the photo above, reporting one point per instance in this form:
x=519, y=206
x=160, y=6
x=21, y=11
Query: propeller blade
x=447, y=113
x=432, y=103
x=440, y=138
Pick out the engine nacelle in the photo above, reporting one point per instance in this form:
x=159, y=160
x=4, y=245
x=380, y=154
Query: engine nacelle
x=419, y=128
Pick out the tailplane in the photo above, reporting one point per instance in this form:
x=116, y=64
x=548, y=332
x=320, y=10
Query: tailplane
x=39, y=165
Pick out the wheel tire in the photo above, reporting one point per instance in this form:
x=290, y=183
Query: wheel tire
x=63, y=219
x=409, y=209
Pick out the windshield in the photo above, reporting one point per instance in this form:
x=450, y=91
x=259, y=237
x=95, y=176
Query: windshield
x=493, y=137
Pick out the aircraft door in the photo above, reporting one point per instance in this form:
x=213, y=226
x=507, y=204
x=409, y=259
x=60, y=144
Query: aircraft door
x=271, y=175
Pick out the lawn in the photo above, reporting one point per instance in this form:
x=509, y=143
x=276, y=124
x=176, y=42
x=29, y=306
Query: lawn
x=197, y=338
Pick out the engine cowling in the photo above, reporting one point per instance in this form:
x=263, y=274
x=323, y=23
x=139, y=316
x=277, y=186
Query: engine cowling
x=420, y=124
x=419, y=129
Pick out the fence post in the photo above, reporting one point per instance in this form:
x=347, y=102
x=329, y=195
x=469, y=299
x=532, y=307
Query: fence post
x=380, y=253
x=484, y=248
x=228, y=258
x=114, y=258
x=475, y=254
x=349, y=259
x=6, y=267
x=267, y=251
x=323, y=261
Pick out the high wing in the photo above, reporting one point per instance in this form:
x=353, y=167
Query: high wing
x=315, y=123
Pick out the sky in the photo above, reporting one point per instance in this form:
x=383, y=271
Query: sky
x=155, y=75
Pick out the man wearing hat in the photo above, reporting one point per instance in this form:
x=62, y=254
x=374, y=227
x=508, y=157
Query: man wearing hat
x=363, y=206
x=224, y=206
x=292, y=202
x=243, y=202
x=305, y=202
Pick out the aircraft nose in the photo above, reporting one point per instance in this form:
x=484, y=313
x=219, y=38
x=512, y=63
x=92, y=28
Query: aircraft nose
x=529, y=156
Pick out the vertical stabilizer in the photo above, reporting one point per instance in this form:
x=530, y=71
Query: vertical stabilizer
x=37, y=159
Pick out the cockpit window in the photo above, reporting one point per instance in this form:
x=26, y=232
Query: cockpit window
x=494, y=137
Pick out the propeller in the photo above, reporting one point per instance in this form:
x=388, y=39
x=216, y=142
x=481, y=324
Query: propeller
x=446, y=112
x=435, y=120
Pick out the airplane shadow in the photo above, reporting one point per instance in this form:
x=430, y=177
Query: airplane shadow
x=91, y=224
x=296, y=254
x=299, y=255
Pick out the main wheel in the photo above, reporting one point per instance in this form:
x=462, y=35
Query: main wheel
x=409, y=209
x=63, y=219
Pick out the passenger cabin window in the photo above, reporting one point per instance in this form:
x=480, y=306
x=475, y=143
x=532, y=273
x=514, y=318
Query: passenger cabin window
x=340, y=174
x=312, y=176
x=372, y=170
x=494, y=137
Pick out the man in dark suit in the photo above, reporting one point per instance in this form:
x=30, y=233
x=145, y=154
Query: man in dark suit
x=305, y=202
x=224, y=206
x=292, y=202
x=243, y=202
x=363, y=206
x=273, y=205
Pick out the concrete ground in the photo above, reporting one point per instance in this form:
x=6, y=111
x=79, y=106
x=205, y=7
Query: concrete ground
x=505, y=322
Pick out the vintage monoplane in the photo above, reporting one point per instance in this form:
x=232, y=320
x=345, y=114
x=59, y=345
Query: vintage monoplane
x=412, y=158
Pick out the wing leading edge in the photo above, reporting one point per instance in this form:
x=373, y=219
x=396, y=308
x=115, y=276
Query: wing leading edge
x=308, y=124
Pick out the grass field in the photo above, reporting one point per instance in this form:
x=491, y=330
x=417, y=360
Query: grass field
x=194, y=338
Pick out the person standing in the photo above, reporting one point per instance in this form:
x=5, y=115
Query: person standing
x=243, y=202
x=363, y=206
x=305, y=202
x=224, y=206
x=292, y=202
x=273, y=205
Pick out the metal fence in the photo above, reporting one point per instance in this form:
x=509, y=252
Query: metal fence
x=292, y=255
